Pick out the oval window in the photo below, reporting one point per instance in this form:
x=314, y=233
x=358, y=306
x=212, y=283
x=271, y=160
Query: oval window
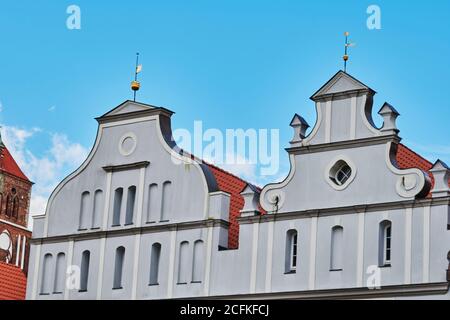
x=340, y=173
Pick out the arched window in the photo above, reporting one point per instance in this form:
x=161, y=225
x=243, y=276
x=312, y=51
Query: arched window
x=183, y=263
x=118, y=267
x=337, y=249
x=15, y=207
x=60, y=273
x=46, y=275
x=1, y=203
x=166, y=202
x=98, y=209
x=8, y=205
x=6, y=246
x=448, y=269
x=153, y=205
x=84, y=210
x=131, y=199
x=154, y=264
x=118, y=195
x=385, y=243
x=84, y=272
x=291, y=251
x=198, y=262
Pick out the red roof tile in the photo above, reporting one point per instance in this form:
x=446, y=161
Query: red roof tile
x=9, y=165
x=406, y=158
x=13, y=282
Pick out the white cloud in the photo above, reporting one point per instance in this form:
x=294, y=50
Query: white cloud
x=38, y=203
x=46, y=169
x=248, y=171
x=51, y=109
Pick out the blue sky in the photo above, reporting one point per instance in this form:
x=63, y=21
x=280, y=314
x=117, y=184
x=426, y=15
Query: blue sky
x=231, y=64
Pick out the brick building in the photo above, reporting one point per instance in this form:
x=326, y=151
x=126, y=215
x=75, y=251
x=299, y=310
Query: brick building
x=15, y=191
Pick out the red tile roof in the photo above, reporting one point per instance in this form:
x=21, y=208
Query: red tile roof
x=406, y=158
x=13, y=282
x=9, y=165
x=233, y=185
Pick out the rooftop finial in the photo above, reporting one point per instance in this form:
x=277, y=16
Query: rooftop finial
x=347, y=45
x=136, y=85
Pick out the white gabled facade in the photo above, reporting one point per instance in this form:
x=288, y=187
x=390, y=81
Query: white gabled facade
x=139, y=220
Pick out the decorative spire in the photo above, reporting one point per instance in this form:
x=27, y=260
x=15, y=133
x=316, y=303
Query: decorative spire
x=441, y=174
x=251, y=201
x=300, y=126
x=347, y=45
x=2, y=145
x=136, y=85
x=390, y=116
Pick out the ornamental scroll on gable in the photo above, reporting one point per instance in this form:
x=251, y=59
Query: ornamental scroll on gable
x=345, y=160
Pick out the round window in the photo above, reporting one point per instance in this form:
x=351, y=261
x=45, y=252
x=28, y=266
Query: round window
x=127, y=144
x=340, y=173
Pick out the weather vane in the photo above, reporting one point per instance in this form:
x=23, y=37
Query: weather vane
x=136, y=85
x=347, y=45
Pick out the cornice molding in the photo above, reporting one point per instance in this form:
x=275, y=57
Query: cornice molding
x=121, y=231
x=134, y=115
x=345, y=210
x=128, y=166
x=347, y=293
x=344, y=144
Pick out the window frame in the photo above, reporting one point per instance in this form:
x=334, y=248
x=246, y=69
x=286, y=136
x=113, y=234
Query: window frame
x=387, y=244
x=294, y=251
x=335, y=167
x=84, y=271
x=119, y=263
x=291, y=253
x=155, y=262
x=346, y=176
x=337, y=248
